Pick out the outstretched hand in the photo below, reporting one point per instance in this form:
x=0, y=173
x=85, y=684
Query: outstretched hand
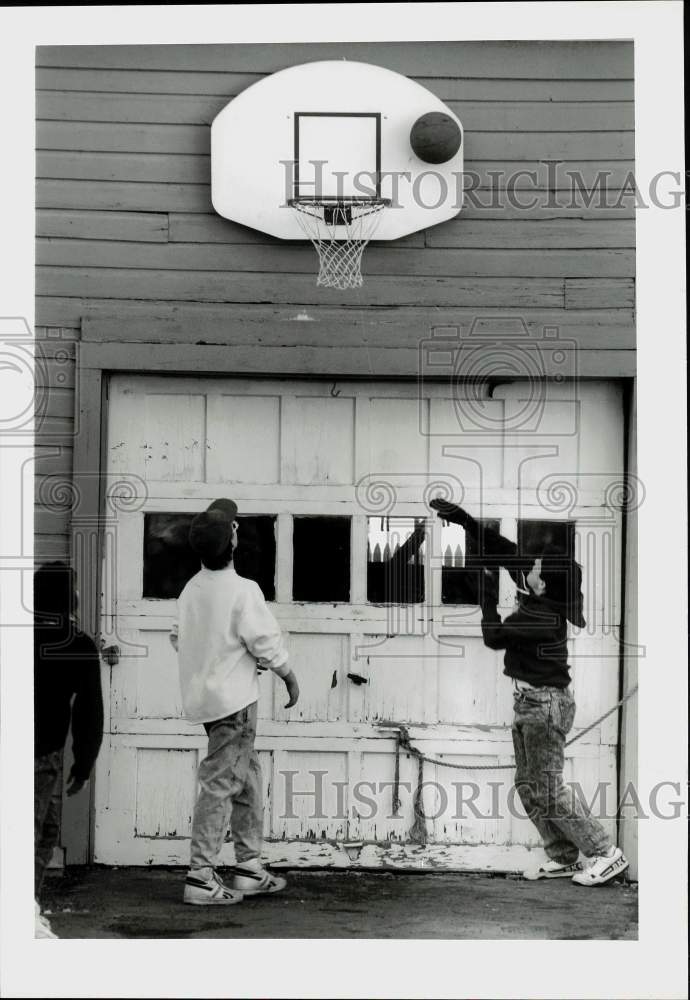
x=448, y=511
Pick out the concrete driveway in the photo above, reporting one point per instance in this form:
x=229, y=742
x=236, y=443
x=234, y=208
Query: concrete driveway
x=147, y=903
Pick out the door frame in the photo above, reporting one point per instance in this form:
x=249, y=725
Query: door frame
x=97, y=359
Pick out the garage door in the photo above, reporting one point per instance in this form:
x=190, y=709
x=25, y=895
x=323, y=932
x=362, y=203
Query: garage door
x=377, y=599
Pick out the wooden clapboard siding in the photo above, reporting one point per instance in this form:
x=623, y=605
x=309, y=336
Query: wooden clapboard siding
x=130, y=247
x=130, y=226
x=382, y=259
x=592, y=60
x=142, y=81
x=217, y=286
x=156, y=321
x=132, y=196
x=476, y=116
x=156, y=168
x=484, y=234
x=55, y=370
x=193, y=140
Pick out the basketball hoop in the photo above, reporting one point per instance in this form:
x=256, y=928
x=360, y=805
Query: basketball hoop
x=340, y=231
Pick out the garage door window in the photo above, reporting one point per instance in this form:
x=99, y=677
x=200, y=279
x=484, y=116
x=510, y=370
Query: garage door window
x=460, y=574
x=169, y=562
x=395, y=560
x=321, y=559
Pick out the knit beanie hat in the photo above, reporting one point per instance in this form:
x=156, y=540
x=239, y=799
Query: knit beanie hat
x=210, y=533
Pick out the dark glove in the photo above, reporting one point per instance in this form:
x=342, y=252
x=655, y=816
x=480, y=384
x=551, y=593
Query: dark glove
x=450, y=511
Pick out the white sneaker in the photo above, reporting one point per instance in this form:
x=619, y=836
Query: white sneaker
x=602, y=869
x=42, y=928
x=552, y=869
x=209, y=892
x=252, y=880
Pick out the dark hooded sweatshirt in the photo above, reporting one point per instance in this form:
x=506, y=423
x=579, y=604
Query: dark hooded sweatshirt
x=534, y=638
x=66, y=667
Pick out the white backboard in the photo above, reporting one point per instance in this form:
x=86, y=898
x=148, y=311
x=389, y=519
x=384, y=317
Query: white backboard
x=349, y=118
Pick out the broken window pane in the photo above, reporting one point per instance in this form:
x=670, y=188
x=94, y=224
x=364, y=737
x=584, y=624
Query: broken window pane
x=395, y=560
x=169, y=562
x=321, y=564
x=460, y=574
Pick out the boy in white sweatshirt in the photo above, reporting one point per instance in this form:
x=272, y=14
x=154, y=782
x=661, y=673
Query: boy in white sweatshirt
x=224, y=631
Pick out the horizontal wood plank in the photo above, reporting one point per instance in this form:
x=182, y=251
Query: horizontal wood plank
x=195, y=140
x=383, y=259
x=153, y=168
x=595, y=293
x=52, y=522
x=229, y=84
x=196, y=198
x=603, y=192
x=146, y=227
x=59, y=402
x=332, y=361
x=534, y=60
x=323, y=325
x=52, y=461
x=296, y=289
x=476, y=116
x=530, y=234
x=54, y=372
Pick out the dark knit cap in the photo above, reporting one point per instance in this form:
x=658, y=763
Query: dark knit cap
x=210, y=533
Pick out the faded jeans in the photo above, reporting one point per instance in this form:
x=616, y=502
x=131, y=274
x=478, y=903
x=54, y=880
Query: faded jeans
x=543, y=717
x=230, y=792
x=47, y=810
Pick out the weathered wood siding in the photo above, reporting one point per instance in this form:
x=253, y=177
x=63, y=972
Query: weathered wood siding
x=129, y=248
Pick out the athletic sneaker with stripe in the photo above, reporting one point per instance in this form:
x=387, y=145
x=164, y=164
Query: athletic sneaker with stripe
x=252, y=880
x=602, y=869
x=200, y=891
x=552, y=869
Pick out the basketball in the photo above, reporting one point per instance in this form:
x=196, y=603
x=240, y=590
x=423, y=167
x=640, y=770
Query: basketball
x=435, y=137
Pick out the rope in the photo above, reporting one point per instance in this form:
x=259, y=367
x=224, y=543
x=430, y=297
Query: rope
x=418, y=831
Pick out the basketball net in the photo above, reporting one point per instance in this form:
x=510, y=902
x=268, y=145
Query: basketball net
x=340, y=232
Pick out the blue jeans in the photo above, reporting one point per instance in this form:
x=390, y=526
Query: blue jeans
x=230, y=792
x=47, y=811
x=543, y=717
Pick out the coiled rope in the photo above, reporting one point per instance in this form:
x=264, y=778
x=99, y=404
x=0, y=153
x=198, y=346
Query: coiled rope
x=404, y=745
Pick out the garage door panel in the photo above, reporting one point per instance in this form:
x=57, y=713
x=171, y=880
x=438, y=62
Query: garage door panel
x=318, y=441
x=396, y=443
x=243, y=439
x=318, y=661
x=469, y=685
x=466, y=442
x=310, y=801
x=145, y=684
x=401, y=675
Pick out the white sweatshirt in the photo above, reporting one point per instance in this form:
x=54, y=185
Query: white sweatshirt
x=223, y=629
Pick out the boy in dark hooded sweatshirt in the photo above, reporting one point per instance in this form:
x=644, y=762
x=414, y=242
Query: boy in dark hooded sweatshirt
x=67, y=689
x=536, y=658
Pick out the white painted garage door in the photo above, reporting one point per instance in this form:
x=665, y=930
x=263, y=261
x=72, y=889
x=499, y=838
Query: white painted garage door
x=330, y=479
